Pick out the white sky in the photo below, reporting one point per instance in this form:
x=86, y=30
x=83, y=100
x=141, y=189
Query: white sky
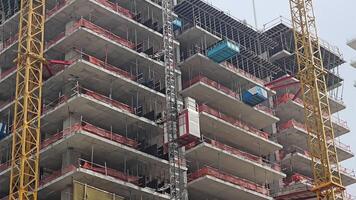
x=336, y=25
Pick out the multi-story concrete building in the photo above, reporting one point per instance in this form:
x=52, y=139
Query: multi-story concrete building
x=104, y=100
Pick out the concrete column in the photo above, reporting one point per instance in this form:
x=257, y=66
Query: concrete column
x=66, y=194
x=71, y=120
x=70, y=157
x=71, y=55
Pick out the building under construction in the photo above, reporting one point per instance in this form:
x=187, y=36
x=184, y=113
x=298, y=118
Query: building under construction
x=241, y=122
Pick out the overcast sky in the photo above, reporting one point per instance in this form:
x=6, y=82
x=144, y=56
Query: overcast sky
x=336, y=24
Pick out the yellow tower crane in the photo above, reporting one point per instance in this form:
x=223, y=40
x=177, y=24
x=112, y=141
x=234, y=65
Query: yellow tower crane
x=312, y=75
x=26, y=127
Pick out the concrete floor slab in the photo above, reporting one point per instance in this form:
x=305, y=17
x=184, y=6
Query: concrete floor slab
x=197, y=35
x=199, y=64
x=207, y=154
x=208, y=185
x=295, y=191
x=229, y=134
x=295, y=110
x=206, y=94
x=295, y=136
x=100, y=181
x=302, y=164
x=104, y=47
x=100, y=80
x=104, y=114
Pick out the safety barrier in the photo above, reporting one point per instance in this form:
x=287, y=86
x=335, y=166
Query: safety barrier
x=340, y=122
x=213, y=84
x=233, y=121
x=9, y=42
x=234, y=151
x=7, y=72
x=243, y=73
x=106, y=66
x=84, y=126
x=349, y=172
x=285, y=98
x=223, y=89
x=297, y=178
x=57, y=174
x=93, y=27
x=5, y=165
x=209, y=171
x=108, y=171
x=291, y=123
x=13, y=39
x=115, y=7
x=81, y=90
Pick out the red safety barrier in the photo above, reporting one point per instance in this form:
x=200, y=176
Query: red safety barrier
x=7, y=72
x=223, y=89
x=211, y=83
x=115, y=7
x=87, y=92
x=108, y=172
x=340, y=122
x=297, y=178
x=57, y=174
x=106, y=99
x=58, y=6
x=4, y=166
x=93, y=27
x=93, y=130
x=285, y=98
x=243, y=73
x=234, y=151
x=106, y=66
x=231, y=120
x=10, y=41
x=209, y=171
x=291, y=123
x=349, y=172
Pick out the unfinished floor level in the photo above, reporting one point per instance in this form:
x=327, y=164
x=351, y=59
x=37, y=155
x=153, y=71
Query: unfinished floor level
x=103, y=113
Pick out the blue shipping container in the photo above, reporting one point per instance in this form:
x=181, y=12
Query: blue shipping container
x=254, y=96
x=223, y=50
x=177, y=24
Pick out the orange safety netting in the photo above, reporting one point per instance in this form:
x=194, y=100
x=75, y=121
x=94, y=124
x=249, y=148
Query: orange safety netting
x=93, y=130
x=233, y=121
x=115, y=7
x=109, y=172
x=211, y=83
x=209, y=171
